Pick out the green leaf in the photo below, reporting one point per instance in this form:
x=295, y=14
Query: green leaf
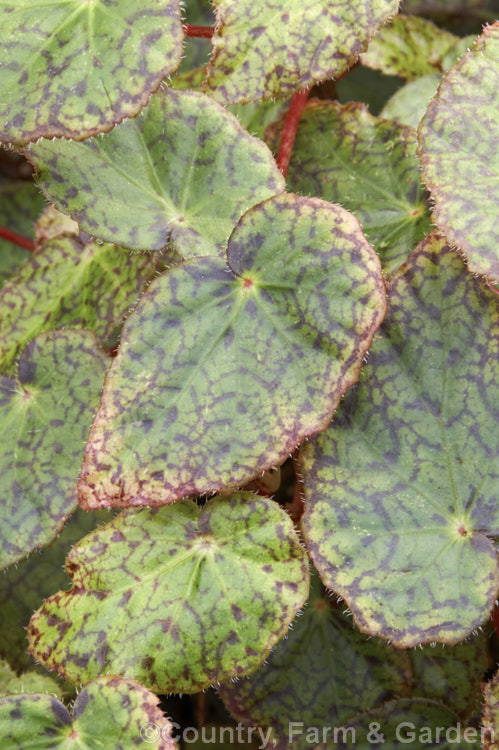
x=345, y=155
x=24, y=586
x=274, y=48
x=458, y=149
x=183, y=172
x=108, y=713
x=74, y=69
x=70, y=282
x=45, y=417
x=410, y=47
x=204, y=595
x=401, y=497
x=452, y=675
x=409, y=103
x=324, y=672
x=254, y=356
x=28, y=682
x=20, y=205
x=413, y=723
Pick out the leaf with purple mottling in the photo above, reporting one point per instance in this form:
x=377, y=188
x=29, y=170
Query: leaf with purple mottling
x=401, y=490
x=274, y=48
x=70, y=282
x=198, y=595
x=108, y=713
x=324, y=672
x=45, y=416
x=253, y=355
x=183, y=172
x=458, y=140
x=71, y=68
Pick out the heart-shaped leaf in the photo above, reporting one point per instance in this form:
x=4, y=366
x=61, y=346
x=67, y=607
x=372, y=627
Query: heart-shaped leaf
x=72, y=68
x=411, y=46
x=199, y=596
x=70, y=282
x=401, y=488
x=224, y=368
x=274, y=48
x=108, y=713
x=324, y=672
x=345, y=155
x=183, y=172
x=458, y=148
x=45, y=417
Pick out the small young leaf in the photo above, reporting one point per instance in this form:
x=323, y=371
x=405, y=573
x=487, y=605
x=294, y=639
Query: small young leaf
x=45, y=418
x=108, y=713
x=410, y=47
x=345, y=155
x=198, y=595
x=458, y=147
x=224, y=368
x=70, y=283
x=324, y=672
x=183, y=172
x=274, y=48
x=401, y=494
x=72, y=68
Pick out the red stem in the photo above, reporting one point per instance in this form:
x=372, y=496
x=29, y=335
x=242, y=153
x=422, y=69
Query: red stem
x=17, y=239
x=290, y=127
x=205, y=32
